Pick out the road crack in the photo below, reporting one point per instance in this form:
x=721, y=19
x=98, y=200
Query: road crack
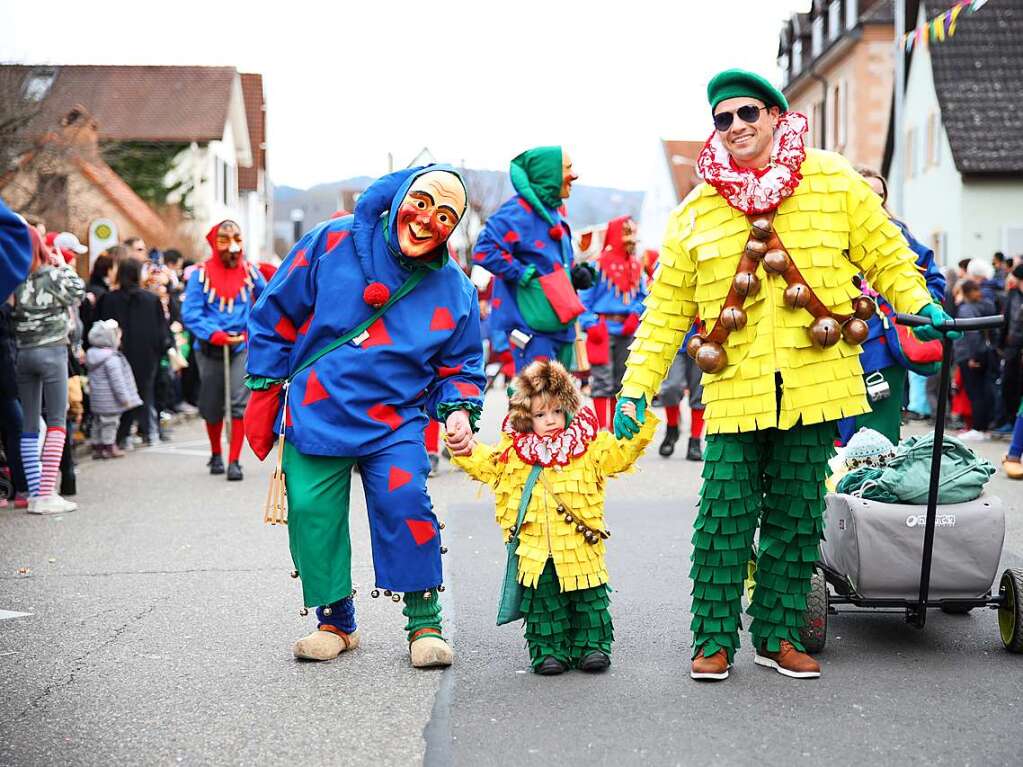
x=80, y=662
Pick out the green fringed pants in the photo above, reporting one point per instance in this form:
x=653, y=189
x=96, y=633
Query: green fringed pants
x=566, y=624
x=421, y=613
x=774, y=477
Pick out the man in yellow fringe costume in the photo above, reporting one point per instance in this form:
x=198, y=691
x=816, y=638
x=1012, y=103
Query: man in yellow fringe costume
x=766, y=252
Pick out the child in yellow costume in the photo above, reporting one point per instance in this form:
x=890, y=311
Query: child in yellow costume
x=561, y=543
x=766, y=253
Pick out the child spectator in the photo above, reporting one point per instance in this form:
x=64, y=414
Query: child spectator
x=112, y=389
x=973, y=356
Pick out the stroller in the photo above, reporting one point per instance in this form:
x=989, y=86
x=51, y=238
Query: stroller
x=857, y=555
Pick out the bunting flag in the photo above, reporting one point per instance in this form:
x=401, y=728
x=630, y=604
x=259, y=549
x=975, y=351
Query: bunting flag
x=942, y=27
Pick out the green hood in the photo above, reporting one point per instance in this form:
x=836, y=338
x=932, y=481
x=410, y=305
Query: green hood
x=536, y=174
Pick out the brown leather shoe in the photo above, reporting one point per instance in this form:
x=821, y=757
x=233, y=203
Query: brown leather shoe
x=713, y=668
x=789, y=661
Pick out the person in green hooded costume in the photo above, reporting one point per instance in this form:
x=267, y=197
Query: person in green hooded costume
x=523, y=245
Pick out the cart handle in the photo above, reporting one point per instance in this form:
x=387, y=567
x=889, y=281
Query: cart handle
x=990, y=322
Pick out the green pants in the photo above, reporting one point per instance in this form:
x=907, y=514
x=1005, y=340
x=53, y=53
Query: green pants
x=566, y=625
x=406, y=548
x=775, y=478
x=885, y=414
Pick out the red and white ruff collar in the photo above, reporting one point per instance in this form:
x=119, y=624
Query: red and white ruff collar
x=757, y=191
x=559, y=448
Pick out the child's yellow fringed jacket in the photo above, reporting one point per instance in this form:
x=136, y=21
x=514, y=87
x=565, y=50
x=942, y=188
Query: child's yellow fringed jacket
x=579, y=484
x=833, y=227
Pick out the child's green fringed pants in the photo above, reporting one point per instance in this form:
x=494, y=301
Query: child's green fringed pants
x=774, y=477
x=422, y=613
x=566, y=624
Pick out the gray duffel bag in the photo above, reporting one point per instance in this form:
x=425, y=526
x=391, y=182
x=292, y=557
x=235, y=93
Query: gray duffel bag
x=878, y=546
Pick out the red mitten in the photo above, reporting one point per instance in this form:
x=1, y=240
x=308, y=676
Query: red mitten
x=220, y=338
x=260, y=414
x=630, y=325
x=598, y=349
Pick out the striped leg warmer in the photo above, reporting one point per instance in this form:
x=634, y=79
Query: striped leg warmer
x=53, y=449
x=30, y=460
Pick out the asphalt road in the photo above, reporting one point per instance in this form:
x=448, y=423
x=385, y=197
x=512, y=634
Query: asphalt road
x=160, y=619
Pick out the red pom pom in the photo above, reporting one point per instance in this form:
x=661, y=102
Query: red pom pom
x=557, y=232
x=376, y=294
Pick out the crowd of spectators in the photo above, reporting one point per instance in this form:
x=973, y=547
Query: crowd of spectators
x=102, y=361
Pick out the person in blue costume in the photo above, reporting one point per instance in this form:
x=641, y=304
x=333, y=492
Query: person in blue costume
x=15, y=251
x=885, y=363
x=367, y=401
x=613, y=306
x=528, y=238
x=218, y=298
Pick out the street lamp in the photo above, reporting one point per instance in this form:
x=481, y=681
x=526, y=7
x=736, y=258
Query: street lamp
x=297, y=217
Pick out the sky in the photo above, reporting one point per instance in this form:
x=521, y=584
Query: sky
x=475, y=82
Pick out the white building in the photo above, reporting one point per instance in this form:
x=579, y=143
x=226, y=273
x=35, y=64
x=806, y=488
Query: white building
x=961, y=157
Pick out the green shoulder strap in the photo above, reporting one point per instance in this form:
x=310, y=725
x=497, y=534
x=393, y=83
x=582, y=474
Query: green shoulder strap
x=527, y=493
x=406, y=287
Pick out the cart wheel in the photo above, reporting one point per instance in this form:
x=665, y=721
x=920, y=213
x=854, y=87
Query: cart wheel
x=1010, y=614
x=815, y=620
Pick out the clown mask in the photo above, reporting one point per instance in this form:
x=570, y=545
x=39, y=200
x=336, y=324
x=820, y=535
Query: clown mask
x=429, y=213
x=229, y=243
x=629, y=237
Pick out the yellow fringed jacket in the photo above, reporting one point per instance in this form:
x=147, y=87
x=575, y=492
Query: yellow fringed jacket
x=833, y=227
x=580, y=485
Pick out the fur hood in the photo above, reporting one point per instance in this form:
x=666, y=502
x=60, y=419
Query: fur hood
x=542, y=378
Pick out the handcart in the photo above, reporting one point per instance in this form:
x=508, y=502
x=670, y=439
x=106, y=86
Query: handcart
x=838, y=582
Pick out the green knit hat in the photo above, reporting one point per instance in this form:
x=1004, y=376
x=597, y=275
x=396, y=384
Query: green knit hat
x=734, y=83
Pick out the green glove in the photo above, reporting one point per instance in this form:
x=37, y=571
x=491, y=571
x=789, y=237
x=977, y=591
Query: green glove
x=936, y=314
x=625, y=427
x=527, y=274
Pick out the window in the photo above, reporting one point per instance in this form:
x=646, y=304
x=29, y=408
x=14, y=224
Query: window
x=852, y=13
x=38, y=83
x=797, y=57
x=817, y=36
x=933, y=141
x=783, y=65
x=816, y=115
x=834, y=20
x=839, y=115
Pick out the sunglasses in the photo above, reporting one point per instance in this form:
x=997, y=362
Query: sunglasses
x=747, y=113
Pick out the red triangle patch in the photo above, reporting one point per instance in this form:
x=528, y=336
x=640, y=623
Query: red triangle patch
x=385, y=414
x=300, y=260
x=525, y=206
x=305, y=325
x=314, y=391
x=507, y=256
x=477, y=257
x=285, y=329
x=378, y=335
x=444, y=372
x=512, y=236
x=397, y=478
x=421, y=530
x=467, y=389
x=442, y=319
x=333, y=238
x=539, y=244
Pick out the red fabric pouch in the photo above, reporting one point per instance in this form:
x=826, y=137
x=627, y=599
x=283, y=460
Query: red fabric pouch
x=557, y=287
